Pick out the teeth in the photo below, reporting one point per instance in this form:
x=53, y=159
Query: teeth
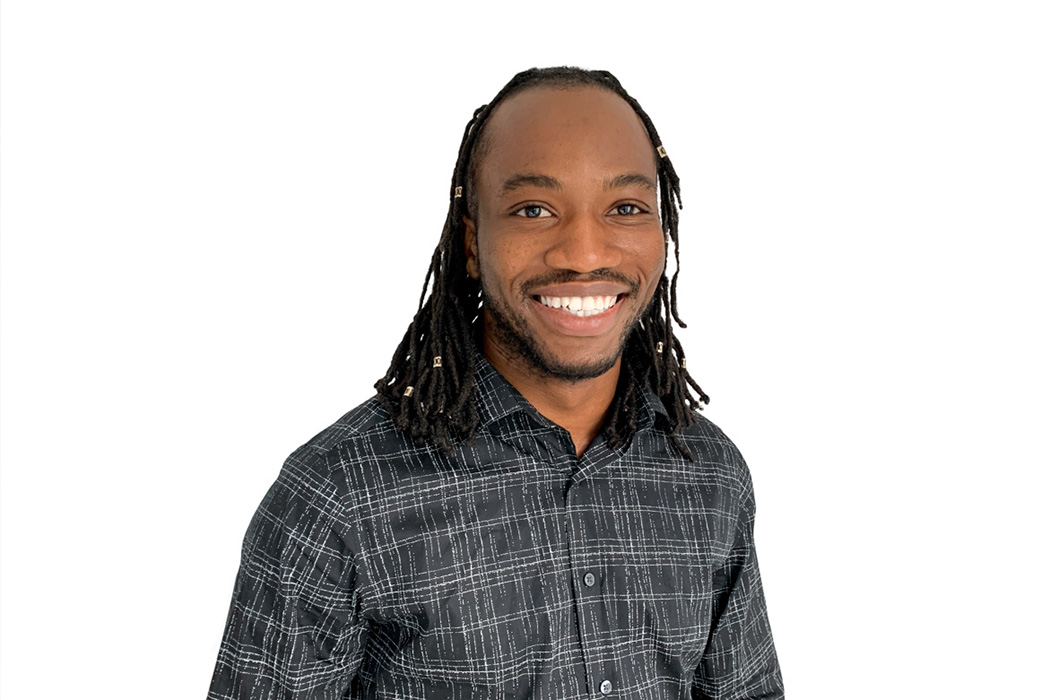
x=580, y=306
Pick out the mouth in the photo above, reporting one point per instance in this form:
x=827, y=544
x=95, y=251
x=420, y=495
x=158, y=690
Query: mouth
x=581, y=307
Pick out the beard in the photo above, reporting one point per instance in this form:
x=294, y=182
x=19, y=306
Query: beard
x=511, y=332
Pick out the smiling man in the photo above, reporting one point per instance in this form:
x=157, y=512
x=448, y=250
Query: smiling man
x=571, y=248
x=531, y=506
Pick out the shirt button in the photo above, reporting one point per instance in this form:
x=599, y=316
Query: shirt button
x=606, y=687
x=588, y=580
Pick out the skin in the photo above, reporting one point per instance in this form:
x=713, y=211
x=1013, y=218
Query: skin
x=567, y=206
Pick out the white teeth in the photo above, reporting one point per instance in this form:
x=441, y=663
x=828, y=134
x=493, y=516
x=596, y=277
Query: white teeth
x=580, y=306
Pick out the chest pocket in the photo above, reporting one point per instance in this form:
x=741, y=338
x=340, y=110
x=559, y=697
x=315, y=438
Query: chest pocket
x=671, y=620
x=660, y=594
x=487, y=607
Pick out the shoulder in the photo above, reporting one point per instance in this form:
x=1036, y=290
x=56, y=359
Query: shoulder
x=710, y=439
x=312, y=488
x=311, y=468
x=713, y=451
x=365, y=421
x=362, y=452
x=305, y=508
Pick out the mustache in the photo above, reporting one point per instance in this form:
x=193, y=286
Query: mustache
x=564, y=276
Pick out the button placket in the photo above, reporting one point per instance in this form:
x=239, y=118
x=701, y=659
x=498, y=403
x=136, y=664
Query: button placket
x=591, y=616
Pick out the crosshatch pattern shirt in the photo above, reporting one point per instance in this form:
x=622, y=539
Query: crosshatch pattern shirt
x=378, y=568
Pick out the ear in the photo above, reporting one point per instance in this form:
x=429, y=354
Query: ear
x=470, y=246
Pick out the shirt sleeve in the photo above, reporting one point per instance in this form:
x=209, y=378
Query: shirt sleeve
x=292, y=631
x=740, y=662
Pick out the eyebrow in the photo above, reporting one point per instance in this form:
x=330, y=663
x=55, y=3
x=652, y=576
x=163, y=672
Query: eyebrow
x=547, y=182
x=520, y=180
x=628, y=179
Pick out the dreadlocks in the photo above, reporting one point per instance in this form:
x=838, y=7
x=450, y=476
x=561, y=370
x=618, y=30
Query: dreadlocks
x=429, y=388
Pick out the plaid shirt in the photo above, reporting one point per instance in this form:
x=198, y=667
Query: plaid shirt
x=378, y=568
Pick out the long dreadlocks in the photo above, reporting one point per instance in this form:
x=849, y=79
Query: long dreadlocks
x=429, y=387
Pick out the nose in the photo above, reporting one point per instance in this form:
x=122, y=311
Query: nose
x=583, y=244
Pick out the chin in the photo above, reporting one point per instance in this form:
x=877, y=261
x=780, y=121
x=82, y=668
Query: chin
x=578, y=372
x=548, y=363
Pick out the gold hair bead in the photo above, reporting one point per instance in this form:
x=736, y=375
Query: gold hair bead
x=682, y=363
x=662, y=151
x=408, y=391
x=659, y=348
x=437, y=360
x=459, y=192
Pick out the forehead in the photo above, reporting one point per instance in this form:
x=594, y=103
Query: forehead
x=572, y=131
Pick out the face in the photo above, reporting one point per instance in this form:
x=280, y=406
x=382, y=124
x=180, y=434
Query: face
x=566, y=239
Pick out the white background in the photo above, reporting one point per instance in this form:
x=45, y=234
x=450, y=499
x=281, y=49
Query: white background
x=217, y=216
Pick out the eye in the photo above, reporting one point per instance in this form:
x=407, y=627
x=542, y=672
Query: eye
x=533, y=211
x=629, y=209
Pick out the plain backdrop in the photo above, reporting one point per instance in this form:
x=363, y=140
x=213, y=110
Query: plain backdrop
x=216, y=219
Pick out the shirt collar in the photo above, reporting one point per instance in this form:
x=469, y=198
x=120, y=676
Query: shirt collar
x=650, y=405
x=498, y=398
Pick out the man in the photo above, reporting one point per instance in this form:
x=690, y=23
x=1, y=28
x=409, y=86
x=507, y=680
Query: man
x=531, y=506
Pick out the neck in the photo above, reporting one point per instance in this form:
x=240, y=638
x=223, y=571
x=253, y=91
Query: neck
x=578, y=406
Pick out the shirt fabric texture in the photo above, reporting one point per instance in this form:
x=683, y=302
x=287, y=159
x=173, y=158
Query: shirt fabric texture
x=379, y=568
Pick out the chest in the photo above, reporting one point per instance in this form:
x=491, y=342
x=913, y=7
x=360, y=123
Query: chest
x=519, y=574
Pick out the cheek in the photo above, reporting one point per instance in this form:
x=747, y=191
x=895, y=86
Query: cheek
x=507, y=259
x=651, y=258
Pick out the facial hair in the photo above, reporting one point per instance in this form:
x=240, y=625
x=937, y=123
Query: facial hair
x=512, y=334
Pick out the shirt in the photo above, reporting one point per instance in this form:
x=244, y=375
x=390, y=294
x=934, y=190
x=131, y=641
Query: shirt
x=379, y=568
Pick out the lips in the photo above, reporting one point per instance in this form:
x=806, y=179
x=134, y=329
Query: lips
x=582, y=322
x=580, y=306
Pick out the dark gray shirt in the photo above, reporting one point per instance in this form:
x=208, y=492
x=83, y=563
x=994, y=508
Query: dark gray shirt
x=378, y=568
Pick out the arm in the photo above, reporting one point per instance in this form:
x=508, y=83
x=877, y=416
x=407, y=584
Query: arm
x=740, y=662
x=291, y=632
